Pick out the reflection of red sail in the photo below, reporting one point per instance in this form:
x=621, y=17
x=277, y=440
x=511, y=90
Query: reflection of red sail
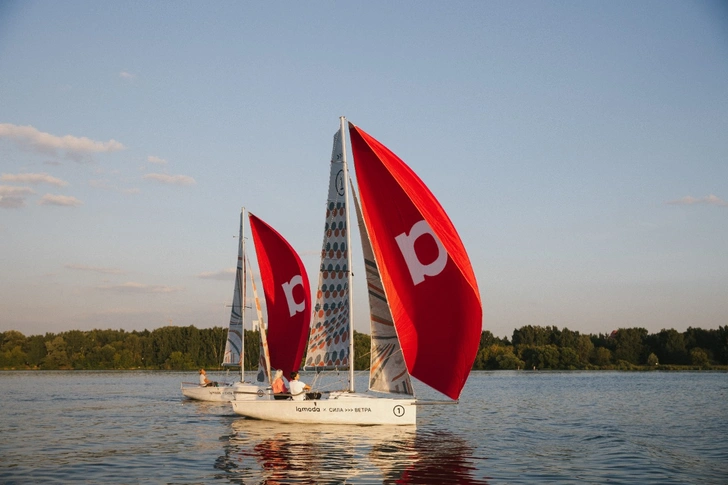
x=441, y=459
x=427, y=275
x=437, y=458
x=287, y=296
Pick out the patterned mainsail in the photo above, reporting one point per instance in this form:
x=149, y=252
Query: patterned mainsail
x=328, y=344
x=387, y=369
x=233, y=355
x=287, y=296
x=425, y=270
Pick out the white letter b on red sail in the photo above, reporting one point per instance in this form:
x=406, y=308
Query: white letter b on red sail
x=406, y=243
x=293, y=307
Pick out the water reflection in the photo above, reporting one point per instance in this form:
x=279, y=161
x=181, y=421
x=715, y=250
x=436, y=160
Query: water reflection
x=271, y=453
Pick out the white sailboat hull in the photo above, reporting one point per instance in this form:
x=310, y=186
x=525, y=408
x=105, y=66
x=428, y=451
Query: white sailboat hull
x=339, y=408
x=239, y=390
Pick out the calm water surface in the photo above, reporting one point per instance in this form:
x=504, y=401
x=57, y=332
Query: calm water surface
x=509, y=428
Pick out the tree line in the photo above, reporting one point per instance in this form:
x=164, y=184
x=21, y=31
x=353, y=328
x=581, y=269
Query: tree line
x=530, y=347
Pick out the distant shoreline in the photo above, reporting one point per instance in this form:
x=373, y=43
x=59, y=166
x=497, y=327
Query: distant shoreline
x=530, y=348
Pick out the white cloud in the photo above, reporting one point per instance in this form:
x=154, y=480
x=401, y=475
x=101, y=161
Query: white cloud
x=13, y=197
x=28, y=137
x=132, y=287
x=95, y=269
x=11, y=202
x=62, y=200
x=223, y=275
x=157, y=160
x=127, y=75
x=33, y=178
x=170, y=179
x=15, y=191
x=708, y=200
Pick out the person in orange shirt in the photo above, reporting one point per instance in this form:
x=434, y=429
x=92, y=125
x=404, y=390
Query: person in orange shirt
x=280, y=389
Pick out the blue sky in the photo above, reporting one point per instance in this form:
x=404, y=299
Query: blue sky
x=580, y=148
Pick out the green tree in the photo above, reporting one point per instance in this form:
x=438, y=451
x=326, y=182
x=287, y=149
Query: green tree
x=602, y=357
x=540, y=356
x=584, y=349
x=11, y=339
x=252, y=349
x=125, y=359
x=699, y=357
x=567, y=338
x=652, y=360
x=107, y=353
x=569, y=358
x=179, y=361
x=508, y=360
x=630, y=345
x=13, y=358
x=362, y=350
x=671, y=347
x=57, y=357
x=721, y=344
x=11, y=350
x=35, y=349
x=497, y=356
x=534, y=336
x=487, y=338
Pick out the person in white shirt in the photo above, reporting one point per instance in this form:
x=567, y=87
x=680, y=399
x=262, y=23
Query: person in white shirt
x=204, y=381
x=297, y=387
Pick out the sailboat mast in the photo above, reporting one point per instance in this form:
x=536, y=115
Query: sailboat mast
x=243, y=287
x=348, y=254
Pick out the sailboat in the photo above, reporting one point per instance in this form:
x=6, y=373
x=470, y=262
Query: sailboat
x=425, y=307
x=287, y=352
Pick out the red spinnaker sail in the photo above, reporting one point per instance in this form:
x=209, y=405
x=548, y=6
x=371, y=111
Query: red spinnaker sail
x=287, y=296
x=426, y=273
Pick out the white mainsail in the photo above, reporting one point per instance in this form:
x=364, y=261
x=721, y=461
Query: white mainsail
x=233, y=355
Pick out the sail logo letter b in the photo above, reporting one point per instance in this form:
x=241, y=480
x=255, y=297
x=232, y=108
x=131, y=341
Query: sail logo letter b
x=293, y=307
x=406, y=243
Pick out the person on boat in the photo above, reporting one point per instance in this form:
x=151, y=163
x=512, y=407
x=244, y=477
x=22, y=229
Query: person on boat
x=204, y=381
x=280, y=390
x=298, y=387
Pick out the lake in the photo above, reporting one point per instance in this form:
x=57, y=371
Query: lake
x=509, y=428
